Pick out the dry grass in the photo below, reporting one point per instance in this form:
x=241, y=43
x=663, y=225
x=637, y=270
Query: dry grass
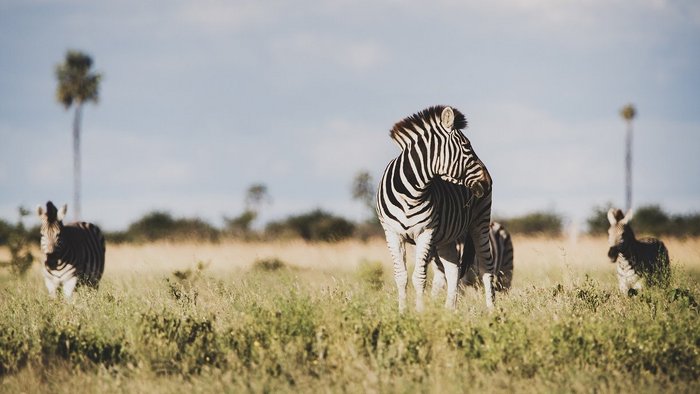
x=538, y=261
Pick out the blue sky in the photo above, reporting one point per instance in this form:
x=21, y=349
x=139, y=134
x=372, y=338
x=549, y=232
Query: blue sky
x=201, y=99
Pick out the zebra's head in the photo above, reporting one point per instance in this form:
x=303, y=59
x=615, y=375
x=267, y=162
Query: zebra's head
x=460, y=164
x=51, y=227
x=620, y=234
x=435, y=135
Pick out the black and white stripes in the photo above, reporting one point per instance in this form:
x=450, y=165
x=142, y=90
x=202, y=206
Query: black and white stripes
x=434, y=194
x=74, y=253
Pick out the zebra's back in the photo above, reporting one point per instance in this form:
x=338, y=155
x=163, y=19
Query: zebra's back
x=650, y=259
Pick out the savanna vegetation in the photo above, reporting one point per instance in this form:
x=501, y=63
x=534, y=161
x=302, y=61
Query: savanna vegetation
x=294, y=316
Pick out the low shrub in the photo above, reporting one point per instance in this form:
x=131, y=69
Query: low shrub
x=268, y=264
x=371, y=273
x=82, y=345
x=180, y=344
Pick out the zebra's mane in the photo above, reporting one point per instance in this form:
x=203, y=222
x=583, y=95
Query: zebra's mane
x=405, y=128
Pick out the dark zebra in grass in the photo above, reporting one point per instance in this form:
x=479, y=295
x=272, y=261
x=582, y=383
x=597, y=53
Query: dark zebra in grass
x=640, y=262
x=502, y=250
x=473, y=267
x=74, y=253
x=435, y=194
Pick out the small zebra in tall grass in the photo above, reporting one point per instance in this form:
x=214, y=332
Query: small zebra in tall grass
x=74, y=253
x=640, y=262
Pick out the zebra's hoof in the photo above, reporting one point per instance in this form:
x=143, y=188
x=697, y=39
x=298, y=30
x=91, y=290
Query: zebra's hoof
x=632, y=292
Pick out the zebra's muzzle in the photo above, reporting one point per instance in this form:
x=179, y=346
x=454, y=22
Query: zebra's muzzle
x=51, y=261
x=478, y=190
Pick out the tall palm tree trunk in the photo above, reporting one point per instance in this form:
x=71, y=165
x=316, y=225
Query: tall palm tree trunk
x=76, y=160
x=628, y=166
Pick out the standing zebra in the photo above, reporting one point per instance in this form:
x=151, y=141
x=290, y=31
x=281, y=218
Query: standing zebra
x=416, y=205
x=75, y=253
x=640, y=262
x=502, y=251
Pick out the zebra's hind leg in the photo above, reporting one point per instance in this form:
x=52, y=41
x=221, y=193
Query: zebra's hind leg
x=398, y=256
x=449, y=256
x=482, y=246
x=424, y=250
x=438, y=277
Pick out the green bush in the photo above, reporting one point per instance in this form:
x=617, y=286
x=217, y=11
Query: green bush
x=19, y=241
x=371, y=273
x=537, y=223
x=180, y=344
x=282, y=341
x=5, y=230
x=314, y=226
x=83, y=346
x=160, y=225
x=15, y=349
x=269, y=264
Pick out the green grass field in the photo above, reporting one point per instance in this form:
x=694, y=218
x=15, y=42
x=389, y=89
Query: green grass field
x=326, y=320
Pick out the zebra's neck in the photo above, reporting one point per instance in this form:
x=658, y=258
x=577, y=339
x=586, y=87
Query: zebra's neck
x=412, y=176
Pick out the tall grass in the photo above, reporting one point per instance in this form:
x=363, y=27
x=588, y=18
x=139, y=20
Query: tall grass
x=317, y=325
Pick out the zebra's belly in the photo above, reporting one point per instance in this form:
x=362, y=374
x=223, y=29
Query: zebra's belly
x=439, y=235
x=627, y=277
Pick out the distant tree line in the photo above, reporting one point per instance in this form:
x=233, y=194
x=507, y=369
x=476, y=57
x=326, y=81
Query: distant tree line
x=536, y=223
x=319, y=225
x=649, y=220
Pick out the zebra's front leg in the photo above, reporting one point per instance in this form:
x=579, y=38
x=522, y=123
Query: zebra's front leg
x=398, y=256
x=68, y=287
x=51, y=285
x=489, y=290
x=423, y=253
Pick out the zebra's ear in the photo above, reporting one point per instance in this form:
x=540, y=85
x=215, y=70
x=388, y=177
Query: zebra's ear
x=447, y=118
x=628, y=216
x=40, y=210
x=62, y=212
x=611, y=216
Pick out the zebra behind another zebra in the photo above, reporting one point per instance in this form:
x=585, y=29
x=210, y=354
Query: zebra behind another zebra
x=502, y=250
x=640, y=262
x=74, y=253
x=435, y=194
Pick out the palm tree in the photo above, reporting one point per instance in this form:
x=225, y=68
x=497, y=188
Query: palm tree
x=77, y=84
x=628, y=112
